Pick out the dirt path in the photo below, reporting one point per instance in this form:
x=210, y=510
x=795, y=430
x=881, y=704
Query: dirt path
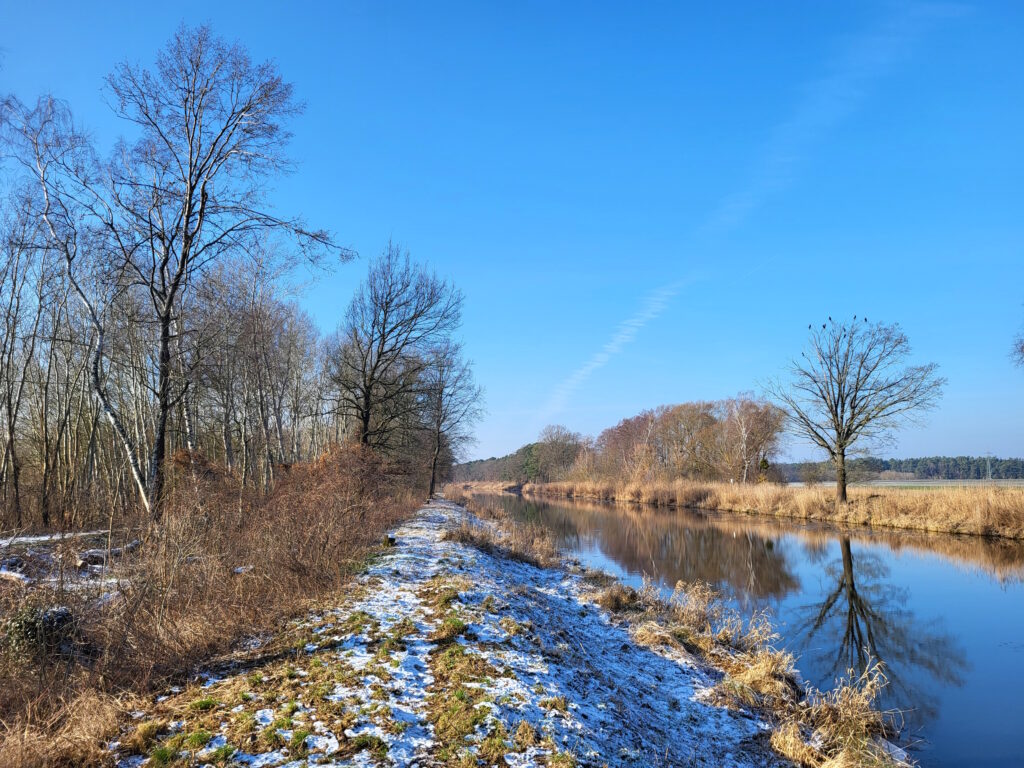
x=446, y=655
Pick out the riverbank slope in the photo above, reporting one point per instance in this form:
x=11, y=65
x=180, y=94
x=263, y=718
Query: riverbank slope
x=446, y=654
x=458, y=648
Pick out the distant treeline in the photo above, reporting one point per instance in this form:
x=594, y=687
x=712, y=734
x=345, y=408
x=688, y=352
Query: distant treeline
x=732, y=440
x=518, y=467
x=925, y=468
x=525, y=466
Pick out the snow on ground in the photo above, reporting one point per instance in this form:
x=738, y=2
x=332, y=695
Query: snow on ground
x=21, y=540
x=57, y=561
x=561, y=684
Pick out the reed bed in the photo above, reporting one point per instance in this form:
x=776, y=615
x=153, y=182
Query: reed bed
x=984, y=510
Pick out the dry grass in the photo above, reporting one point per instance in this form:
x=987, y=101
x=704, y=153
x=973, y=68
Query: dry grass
x=455, y=701
x=527, y=543
x=976, y=510
x=525, y=736
x=840, y=727
x=223, y=564
x=74, y=734
x=844, y=724
x=618, y=597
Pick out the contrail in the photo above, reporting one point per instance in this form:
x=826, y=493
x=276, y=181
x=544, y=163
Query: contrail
x=654, y=304
x=826, y=103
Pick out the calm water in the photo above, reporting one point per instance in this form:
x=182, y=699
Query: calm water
x=945, y=614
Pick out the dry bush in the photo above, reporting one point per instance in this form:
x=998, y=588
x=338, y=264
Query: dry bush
x=770, y=674
x=224, y=563
x=846, y=717
x=652, y=634
x=842, y=727
x=77, y=506
x=789, y=741
x=618, y=597
x=695, y=607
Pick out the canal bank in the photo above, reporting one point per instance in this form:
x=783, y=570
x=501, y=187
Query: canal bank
x=943, y=613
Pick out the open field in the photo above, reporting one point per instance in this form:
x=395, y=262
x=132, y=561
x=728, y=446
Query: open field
x=932, y=484
x=977, y=510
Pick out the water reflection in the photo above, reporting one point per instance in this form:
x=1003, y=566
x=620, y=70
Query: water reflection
x=862, y=616
x=833, y=592
x=682, y=546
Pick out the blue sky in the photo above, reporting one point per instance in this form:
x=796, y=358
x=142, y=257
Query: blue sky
x=643, y=203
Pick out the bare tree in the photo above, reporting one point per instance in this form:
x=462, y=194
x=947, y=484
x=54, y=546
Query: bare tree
x=852, y=386
x=188, y=190
x=686, y=439
x=749, y=432
x=452, y=400
x=1018, y=350
x=19, y=328
x=398, y=314
x=143, y=311
x=556, y=450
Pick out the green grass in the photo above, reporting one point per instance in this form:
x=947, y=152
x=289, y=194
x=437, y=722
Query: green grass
x=297, y=745
x=376, y=745
x=204, y=704
x=198, y=739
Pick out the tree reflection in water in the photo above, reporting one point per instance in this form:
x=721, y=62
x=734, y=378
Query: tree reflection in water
x=669, y=546
x=858, y=613
x=864, y=616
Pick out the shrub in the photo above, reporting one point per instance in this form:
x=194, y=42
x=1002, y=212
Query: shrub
x=225, y=562
x=39, y=632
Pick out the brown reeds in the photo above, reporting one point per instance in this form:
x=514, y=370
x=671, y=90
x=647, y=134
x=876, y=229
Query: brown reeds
x=981, y=510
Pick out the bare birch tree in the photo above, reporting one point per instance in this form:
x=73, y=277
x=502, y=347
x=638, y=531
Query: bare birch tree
x=749, y=433
x=188, y=190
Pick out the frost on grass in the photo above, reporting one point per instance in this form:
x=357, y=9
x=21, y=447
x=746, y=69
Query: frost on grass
x=447, y=654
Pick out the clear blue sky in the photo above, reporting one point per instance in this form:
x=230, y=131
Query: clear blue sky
x=644, y=203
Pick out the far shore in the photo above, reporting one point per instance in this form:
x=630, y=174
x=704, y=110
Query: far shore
x=976, y=509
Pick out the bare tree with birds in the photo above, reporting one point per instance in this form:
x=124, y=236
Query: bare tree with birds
x=852, y=386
